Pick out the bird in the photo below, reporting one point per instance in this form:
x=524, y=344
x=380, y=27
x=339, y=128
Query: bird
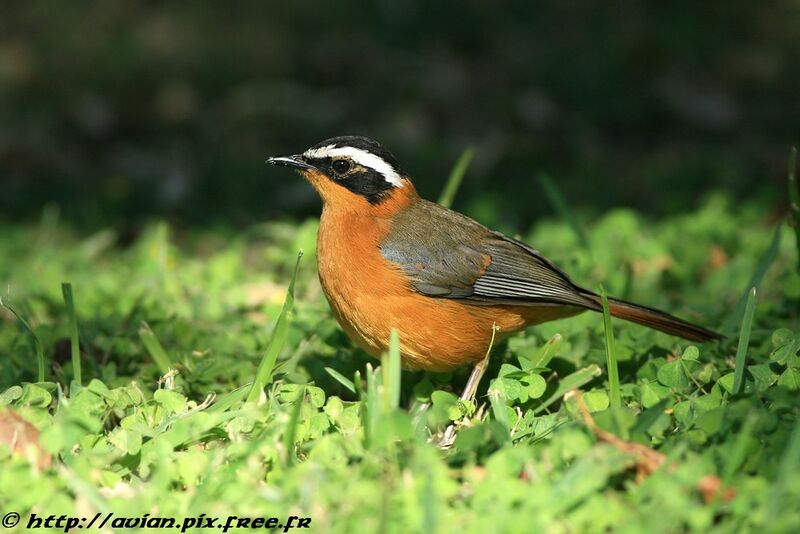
x=389, y=259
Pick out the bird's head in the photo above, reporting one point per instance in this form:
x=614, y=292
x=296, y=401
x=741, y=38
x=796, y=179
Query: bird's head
x=352, y=172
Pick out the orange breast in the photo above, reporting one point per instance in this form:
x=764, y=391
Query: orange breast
x=369, y=298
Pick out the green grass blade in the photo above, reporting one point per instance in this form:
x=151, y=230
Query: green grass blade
x=371, y=408
x=790, y=464
x=548, y=351
x=562, y=208
x=85, y=490
x=744, y=341
x=343, y=380
x=794, y=200
x=499, y=408
x=66, y=291
x=188, y=429
x=611, y=354
x=429, y=503
x=358, y=384
x=291, y=427
x=154, y=348
x=37, y=345
x=734, y=319
x=571, y=381
x=456, y=175
x=390, y=367
x=228, y=400
x=276, y=343
x=737, y=456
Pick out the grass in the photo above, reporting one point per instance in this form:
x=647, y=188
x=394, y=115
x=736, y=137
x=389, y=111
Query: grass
x=611, y=354
x=276, y=342
x=74, y=340
x=176, y=329
x=561, y=206
x=767, y=259
x=456, y=176
x=154, y=348
x=744, y=340
x=37, y=345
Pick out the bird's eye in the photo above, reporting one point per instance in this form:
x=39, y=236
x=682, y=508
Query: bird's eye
x=341, y=166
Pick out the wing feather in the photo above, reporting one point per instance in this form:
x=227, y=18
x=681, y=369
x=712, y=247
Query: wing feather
x=448, y=255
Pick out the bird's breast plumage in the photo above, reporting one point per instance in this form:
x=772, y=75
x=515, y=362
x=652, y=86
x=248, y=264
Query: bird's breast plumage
x=369, y=295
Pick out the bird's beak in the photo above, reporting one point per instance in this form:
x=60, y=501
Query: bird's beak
x=295, y=161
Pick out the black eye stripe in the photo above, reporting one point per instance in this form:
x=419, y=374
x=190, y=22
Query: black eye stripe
x=368, y=183
x=342, y=161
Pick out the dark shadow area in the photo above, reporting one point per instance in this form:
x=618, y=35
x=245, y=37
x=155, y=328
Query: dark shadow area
x=120, y=111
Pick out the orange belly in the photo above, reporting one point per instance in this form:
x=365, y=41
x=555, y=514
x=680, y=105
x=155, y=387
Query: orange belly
x=435, y=334
x=369, y=298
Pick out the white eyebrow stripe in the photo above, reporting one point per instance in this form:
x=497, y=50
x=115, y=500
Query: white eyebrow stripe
x=361, y=157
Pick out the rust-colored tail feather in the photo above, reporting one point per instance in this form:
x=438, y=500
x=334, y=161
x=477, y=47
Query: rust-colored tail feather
x=656, y=319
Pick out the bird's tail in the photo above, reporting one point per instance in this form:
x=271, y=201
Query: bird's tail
x=656, y=319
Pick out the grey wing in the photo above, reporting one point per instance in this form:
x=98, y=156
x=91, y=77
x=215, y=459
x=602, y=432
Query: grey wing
x=521, y=275
x=447, y=255
x=437, y=263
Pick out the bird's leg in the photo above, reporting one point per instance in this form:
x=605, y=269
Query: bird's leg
x=467, y=395
x=474, y=379
x=469, y=391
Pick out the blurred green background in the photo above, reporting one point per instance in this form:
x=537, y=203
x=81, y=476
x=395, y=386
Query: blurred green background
x=121, y=111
